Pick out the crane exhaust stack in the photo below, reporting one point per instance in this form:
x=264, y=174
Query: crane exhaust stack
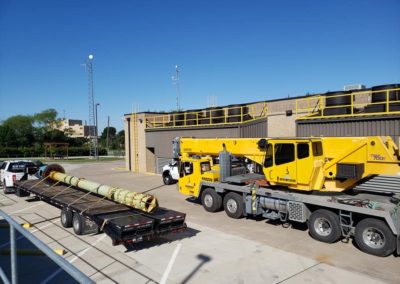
x=145, y=202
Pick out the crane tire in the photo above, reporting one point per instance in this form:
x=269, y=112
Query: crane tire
x=373, y=236
x=211, y=200
x=233, y=205
x=324, y=226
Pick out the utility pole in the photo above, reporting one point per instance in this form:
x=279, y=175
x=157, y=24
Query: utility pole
x=108, y=132
x=97, y=135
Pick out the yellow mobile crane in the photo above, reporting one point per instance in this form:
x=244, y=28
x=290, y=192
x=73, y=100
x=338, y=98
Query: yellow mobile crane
x=341, y=186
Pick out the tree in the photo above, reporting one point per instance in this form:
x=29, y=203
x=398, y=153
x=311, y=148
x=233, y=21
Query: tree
x=20, y=129
x=8, y=137
x=47, y=118
x=22, y=133
x=111, y=137
x=121, y=139
x=55, y=135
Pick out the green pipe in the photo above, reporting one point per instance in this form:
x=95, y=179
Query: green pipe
x=144, y=202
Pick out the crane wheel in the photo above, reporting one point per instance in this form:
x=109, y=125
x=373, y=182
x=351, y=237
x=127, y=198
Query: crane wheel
x=324, y=226
x=373, y=236
x=211, y=200
x=233, y=205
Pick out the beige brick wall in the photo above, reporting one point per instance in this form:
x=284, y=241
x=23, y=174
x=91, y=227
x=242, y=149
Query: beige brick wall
x=126, y=142
x=280, y=125
x=141, y=138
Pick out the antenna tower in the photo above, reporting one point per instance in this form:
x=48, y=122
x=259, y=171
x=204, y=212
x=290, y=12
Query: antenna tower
x=175, y=80
x=91, y=126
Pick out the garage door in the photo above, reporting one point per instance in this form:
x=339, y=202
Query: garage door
x=160, y=163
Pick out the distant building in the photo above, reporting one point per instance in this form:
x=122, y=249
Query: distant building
x=87, y=130
x=72, y=127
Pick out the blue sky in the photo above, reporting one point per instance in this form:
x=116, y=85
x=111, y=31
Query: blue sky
x=237, y=51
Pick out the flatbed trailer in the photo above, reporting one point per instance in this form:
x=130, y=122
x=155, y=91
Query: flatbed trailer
x=89, y=213
x=372, y=218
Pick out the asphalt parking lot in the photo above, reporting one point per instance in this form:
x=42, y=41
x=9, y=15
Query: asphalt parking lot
x=214, y=248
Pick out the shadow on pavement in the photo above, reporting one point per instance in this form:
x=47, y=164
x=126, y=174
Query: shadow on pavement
x=203, y=260
x=158, y=241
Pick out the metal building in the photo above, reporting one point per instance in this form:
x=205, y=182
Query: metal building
x=365, y=112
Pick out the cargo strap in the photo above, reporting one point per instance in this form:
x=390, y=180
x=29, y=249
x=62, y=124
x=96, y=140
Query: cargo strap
x=83, y=196
x=42, y=180
x=50, y=187
x=90, y=207
x=20, y=185
x=62, y=191
x=105, y=222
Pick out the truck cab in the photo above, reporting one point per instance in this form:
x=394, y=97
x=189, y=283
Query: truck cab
x=12, y=171
x=170, y=173
x=193, y=171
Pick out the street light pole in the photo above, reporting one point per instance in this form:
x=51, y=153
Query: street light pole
x=97, y=135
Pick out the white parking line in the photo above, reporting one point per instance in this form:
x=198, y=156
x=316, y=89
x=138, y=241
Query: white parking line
x=55, y=273
x=170, y=264
x=4, y=199
x=25, y=208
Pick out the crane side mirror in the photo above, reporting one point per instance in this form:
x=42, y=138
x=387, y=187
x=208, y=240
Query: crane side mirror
x=262, y=143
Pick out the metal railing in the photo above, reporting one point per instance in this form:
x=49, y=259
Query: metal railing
x=209, y=117
x=65, y=265
x=357, y=103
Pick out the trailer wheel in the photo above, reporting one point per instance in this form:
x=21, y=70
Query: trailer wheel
x=373, y=236
x=66, y=218
x=211, y=200
x=167, y=178
x=233, y=205
x=324, y=226
x=77, y=224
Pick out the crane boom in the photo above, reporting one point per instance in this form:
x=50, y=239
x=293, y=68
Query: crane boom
x=323, y=164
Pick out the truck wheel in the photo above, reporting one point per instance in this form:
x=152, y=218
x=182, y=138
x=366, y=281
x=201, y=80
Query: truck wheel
x=167, y=179
x=373, y=236
x=66, y=218
x=5, y=188
x=233, y=205
x=324, y=226
x=211, y=200
x=77, y=224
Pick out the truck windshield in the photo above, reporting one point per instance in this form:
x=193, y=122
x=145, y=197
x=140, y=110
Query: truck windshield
x=205, y=167
x=186, y=169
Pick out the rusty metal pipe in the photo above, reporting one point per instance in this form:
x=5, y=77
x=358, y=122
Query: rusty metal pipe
x=144, y=202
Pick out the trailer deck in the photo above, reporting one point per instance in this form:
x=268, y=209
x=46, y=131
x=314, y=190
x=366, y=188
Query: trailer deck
x=121, y=223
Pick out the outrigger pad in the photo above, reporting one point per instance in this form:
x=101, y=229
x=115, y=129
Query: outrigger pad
x=52, y=168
